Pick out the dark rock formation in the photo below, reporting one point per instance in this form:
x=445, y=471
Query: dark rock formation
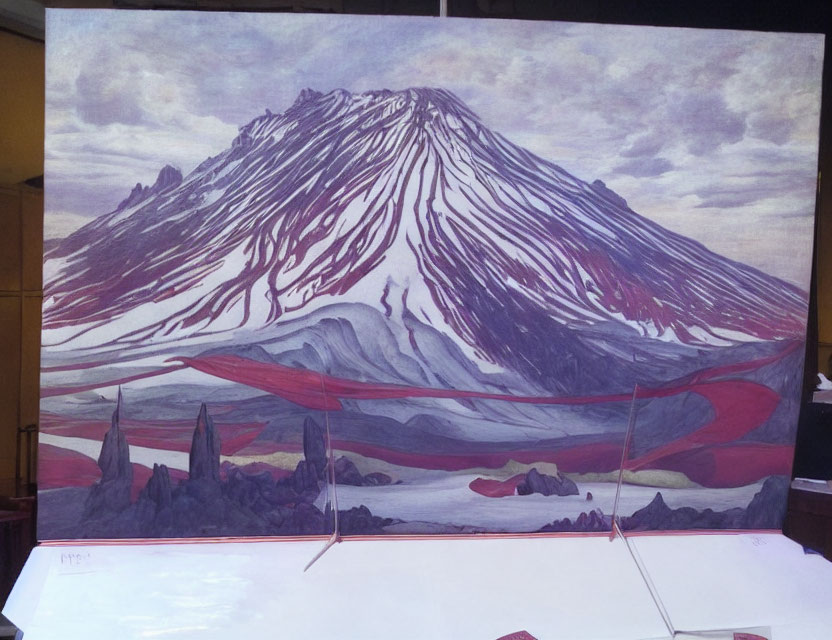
x=359, y=521
x=305, y=479
x=657, y=516
x=137, y=194
x=314, y=466
x=589, y=496
x=242, y=141
x=601, y=189
x=536, y=482
x=314, y=447
x=158, y=488
x=204, y=459
x=154, y=509
x=168, y=178
x=347, y=473
x=205, y=504
x=111, y=493
x=765, y=511
x=257, y=492
x=595, y=520
x=767, y=508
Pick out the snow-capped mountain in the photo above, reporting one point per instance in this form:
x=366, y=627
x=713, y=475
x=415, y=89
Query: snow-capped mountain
x=406, y=202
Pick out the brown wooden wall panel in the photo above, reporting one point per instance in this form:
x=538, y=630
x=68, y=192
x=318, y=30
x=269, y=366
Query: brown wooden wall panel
x=30, y=355
x=21, y=256
x=7, y=486
x=809, y=520
x=9, y=384
x=10, y=259
x=31, y=213
x=825, y=358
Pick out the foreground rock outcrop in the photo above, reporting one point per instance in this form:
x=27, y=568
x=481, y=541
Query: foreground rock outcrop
x=593, y=521
x=112, y=492
x=204, y=459
x=208, y=504
x=765, y=511
x=557, y=485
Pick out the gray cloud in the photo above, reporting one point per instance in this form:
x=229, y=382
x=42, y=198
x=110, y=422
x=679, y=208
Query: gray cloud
x=644, y=145
x=740, y=190
x=729, y=200
x=676, y=121
x=772, y=127
x=706, y=121
x=645, y=167
x=105, y=98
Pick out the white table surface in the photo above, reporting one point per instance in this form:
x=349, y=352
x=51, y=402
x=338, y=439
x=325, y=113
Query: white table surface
x=748, y=580
x=578, y=587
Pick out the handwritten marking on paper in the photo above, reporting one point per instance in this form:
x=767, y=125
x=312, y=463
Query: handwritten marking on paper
x=75, y=559
x=76, y=562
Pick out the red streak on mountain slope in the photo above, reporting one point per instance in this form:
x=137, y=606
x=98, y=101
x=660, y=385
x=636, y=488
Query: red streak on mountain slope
x=750, y=365
x=733, y=464
x=739, y=406
x=599, y=457
x=320, y=391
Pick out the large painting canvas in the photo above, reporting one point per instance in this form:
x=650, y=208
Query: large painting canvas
x=455, y=274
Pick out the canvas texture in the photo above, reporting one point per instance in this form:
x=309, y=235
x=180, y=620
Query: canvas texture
x=433, y=276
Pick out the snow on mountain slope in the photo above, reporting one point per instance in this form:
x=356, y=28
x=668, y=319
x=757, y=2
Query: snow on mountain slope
x=403, y=201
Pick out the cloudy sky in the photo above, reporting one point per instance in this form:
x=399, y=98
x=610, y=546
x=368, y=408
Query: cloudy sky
x=713, y=134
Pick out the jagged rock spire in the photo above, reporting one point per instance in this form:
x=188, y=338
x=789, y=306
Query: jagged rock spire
x=114, y=458
x=112, y=492
x=314, y=448
x=204, y=461
x=158, y=488
x=168, y=177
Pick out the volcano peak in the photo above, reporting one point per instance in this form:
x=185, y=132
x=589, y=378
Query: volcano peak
x=344, y=193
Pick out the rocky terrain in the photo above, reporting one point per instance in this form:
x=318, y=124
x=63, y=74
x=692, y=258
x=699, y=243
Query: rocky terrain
x=208, y=504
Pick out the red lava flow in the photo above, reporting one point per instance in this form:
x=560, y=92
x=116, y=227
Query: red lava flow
x=496, y=488
x=739, y=407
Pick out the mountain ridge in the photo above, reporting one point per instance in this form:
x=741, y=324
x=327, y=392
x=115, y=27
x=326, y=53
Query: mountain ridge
x=407, y=201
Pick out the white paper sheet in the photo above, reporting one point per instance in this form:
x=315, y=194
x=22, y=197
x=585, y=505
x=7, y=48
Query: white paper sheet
x=475, y=588
x=479, y=589
x=748, y=580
